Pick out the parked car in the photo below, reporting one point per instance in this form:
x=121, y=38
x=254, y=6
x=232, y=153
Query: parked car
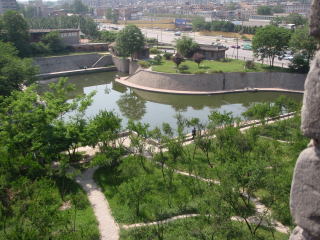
x=247, y=47
x=234, y=46
x=177, y=33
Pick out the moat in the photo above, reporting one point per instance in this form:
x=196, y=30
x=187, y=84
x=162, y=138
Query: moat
x=157, y=108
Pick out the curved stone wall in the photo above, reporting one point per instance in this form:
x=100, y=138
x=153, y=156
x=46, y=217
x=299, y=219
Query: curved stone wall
x=164, y=82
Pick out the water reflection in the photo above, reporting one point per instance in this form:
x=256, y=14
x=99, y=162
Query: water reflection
x=156, y=108
x=132, y=106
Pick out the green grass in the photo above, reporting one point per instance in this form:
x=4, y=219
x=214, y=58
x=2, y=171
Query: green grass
x=207, y=66
x=161, y=200
x=197, y=228
x=42, y=206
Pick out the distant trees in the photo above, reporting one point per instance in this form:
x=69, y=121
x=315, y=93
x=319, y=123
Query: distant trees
x=14, y=71
x=186, y=46
x=108, y=36
x=113, y=15
x=129, y=41
x=78, y=7
x=199, y=24
x=86, y=24
x=264, y=10
x=271, y=41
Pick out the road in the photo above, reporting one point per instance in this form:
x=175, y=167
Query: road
x=168, y=37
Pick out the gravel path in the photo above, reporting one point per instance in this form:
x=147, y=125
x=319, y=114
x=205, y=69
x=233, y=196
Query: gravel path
x=108, y=228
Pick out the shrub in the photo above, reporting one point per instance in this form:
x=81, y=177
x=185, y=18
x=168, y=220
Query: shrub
x=144, y=64
x=200, y=72
x=177, y=59
x=249, y=64
x=198, y=58
x=154, y=51
x=215, y=71
x=167, y=55
x=183, y=68
x=299, y=64
x=157, y=59
x=39, y=48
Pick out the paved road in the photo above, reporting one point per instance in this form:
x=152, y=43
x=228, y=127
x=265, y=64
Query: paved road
x=169, y=38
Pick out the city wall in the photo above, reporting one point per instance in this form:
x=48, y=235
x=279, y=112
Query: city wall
x=71, y=62
x=217, y=82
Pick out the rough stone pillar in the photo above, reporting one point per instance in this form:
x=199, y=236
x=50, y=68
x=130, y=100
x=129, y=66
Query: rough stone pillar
x=305, y=189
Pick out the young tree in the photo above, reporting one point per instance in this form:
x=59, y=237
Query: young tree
x=177, y=59
x=129, y=41
x=186, y=46
x=198, y=58
x=271, y=41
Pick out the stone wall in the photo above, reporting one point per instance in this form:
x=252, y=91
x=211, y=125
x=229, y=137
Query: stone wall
x=71, y=62
x=218, y=81
x=122, y=64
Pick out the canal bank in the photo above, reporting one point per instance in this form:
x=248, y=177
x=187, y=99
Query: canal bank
x=217, y=83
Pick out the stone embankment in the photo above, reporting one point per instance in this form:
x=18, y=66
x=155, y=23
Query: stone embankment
x=67, y=65
x=215, y=83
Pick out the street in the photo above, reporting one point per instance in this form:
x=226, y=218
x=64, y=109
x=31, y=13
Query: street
x=169, y=37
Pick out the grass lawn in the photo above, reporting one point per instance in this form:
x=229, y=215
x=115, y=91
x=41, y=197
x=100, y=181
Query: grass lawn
x=44, y=208
x=124, y=185
x=197, y=228
x=232, y=65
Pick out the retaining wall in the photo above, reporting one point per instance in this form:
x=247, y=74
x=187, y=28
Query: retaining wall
x=122, y=64
x=71, y=62
x=216, y=82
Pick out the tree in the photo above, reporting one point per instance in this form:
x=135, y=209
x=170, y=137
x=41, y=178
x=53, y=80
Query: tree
x=296, y=19
x=177, y=59
x=186, y=46
x=129, y=41
x=304, y=44
x=113, y=15
x=264, y=10
x=79, y=7
x=14, y=71
x=16, y=32
x=198, y=58
x=198, y=24
x=271, y=41
x=108, y=36
x=53, y=42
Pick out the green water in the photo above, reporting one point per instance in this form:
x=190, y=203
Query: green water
x=156, y=108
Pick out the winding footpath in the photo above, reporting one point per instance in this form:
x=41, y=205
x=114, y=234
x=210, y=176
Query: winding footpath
x=108, y=228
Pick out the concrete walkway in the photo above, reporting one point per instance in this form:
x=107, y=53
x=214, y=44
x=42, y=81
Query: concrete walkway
x=108, y=228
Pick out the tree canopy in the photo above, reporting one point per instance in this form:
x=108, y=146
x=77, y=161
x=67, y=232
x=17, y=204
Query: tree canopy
x=186, y=46
x=15, y=30
x=130, y=40
x=14, y=71
x=271, y=41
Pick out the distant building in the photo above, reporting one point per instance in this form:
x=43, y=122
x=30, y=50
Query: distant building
x=68, y=36
x=211, y=52
x=6, y=5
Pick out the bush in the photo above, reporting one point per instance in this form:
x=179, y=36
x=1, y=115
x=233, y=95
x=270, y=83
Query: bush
x=299, y=64
x=167, y=55
x=215, y=71
x=144, y=64
x=154, y=51
x=151, y=41
x=200, y=72
x=39, y=48
x=249, y=64
x=157, y=59
x=183, y=68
